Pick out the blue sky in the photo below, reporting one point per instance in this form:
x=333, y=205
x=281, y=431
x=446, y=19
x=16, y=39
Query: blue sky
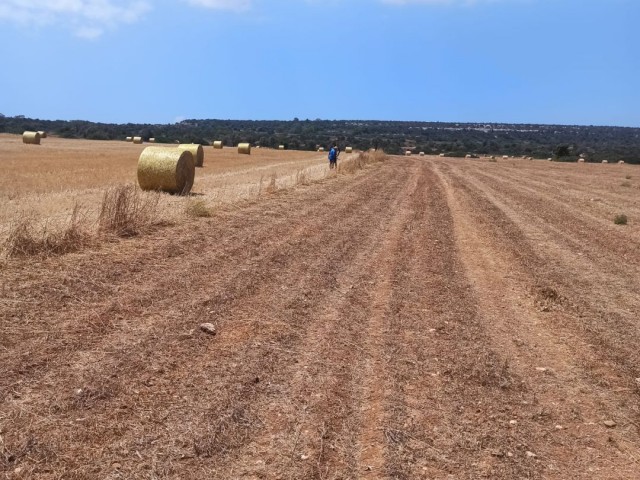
x=524, y=61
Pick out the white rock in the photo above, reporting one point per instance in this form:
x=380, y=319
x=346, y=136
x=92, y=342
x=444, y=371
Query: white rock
x=208, y=328
x=531, y=454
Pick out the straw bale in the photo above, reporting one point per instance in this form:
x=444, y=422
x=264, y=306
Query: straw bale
x=42, y=133
x=605, y=161
x=408, y=153
x=621, y=162
x=196, y=150
x=442, y=155
x=167, y=169
x=581, y=160
x=217, y=144
x=468, y=156
x=348, y=150
x=32, y=138
x=505, y=157
x=129, y=139
x=137, y=140
x=152, y=140
x=280, y=147
x=321, y=149
x=422, y=154
x=244, y=148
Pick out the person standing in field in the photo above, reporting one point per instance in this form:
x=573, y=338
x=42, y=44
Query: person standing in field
x=333, y=156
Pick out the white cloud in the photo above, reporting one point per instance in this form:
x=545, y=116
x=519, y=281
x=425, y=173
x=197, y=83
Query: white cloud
x=233, y=5
x=436, y=2
x=87, y=18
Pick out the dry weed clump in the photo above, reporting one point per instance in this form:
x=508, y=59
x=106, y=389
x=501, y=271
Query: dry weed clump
x=126, y=212
x=198, y=209
x=27, y=239
x=620, y=219
x=360, y=161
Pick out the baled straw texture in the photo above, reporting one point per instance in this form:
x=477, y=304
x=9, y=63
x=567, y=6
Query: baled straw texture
x=244, y=148
x=348, y=150
x=137, y=140
x=32, y=138
x=170, y=170
x=42, y=133
x=196, y=150
x=217, y=144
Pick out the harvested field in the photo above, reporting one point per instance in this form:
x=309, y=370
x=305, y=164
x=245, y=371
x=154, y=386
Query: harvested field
x=422, y=318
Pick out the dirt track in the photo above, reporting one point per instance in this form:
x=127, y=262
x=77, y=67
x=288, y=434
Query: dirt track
x=421, y=319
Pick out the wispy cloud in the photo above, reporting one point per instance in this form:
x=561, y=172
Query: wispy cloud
x=87, y=18
x=232, y=5
x=437, y=2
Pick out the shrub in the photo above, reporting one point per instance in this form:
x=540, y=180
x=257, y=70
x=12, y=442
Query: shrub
x=620, y=219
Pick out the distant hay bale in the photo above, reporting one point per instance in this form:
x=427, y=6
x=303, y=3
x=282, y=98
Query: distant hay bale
x=492, y=157
x=129, y=139
x=581, y=160
x=137, y=140
x=348, y=150
x=321, y=149
x=421, y=154
x=244, y=148
x=408, y=153
x=550, y=159
x=42, y=133
x=468, y=156
x=166, y=169
x=605, y=161
x=152, y=140
x=621, y=162
x=196, y=150
x=32, y=138
x=442, y=155
x=217, y=144
x=280, y=147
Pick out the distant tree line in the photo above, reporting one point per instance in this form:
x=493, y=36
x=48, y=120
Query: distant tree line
x=564, y=142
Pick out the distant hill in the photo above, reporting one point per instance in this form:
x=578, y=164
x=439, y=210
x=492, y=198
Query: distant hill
x=565, y=142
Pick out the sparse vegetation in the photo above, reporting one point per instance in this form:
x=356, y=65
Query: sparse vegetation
x=198, y=208
x=620, y=219
x=127, y=212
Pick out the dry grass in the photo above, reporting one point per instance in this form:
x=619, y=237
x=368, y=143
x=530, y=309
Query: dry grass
x=26, y=238
x=198, y=209
x=126, y=212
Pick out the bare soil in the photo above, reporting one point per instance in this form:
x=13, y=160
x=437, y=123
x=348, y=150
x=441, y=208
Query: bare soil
x=422, y=318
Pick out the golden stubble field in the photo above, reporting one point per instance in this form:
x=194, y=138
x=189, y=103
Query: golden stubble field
x=46, y=181
x=422, y=317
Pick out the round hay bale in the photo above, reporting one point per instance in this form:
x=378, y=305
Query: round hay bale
x=605, y=161
x=581, y=160
x=217, y=144
x=408, y=153
x=196, y=150
x=152, y=140
x=32, y=138
x=42, y=133
x=621, y=162
x=468, y=156
x=129, y=139
x=244, y=148
x=137, y=140
x=421, y=154
x=442, y=155
x=167, y=169
x=321, y=149
x=348, y=150
x=280, y=147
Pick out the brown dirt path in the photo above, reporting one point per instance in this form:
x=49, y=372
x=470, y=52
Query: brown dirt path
x=389, y=324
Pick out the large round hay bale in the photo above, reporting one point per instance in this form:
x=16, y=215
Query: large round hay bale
x=605, y=161
x=348, y=150
x=621, y=162
x=408, y=153
x=129, y=139
x=244, y=148
x=581, y=160
x=137, y=140
x=442, y=155
x=196, y=150
x=280, y=147
x=32, y=138
x=152, y=140
x=422, y=154
x=42, y=133
x=321, y=149
x=217, y=144
x=166, y=169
